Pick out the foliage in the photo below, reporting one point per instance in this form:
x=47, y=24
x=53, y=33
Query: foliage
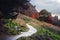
x=44, y=14
x=12, y=28
x=9, y=6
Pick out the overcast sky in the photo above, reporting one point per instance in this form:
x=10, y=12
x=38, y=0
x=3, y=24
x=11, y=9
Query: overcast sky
x=50, y=5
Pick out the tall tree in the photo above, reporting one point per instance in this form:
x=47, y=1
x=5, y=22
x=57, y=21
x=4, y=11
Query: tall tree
x=7, y=6
x=44, y=14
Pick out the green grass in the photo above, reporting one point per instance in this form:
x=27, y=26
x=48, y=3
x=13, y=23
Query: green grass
x=11, y=30
x=43, y=31
x=36, y=24
x=40, y=29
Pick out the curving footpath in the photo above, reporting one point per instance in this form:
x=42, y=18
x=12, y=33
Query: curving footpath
x=31, y=31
